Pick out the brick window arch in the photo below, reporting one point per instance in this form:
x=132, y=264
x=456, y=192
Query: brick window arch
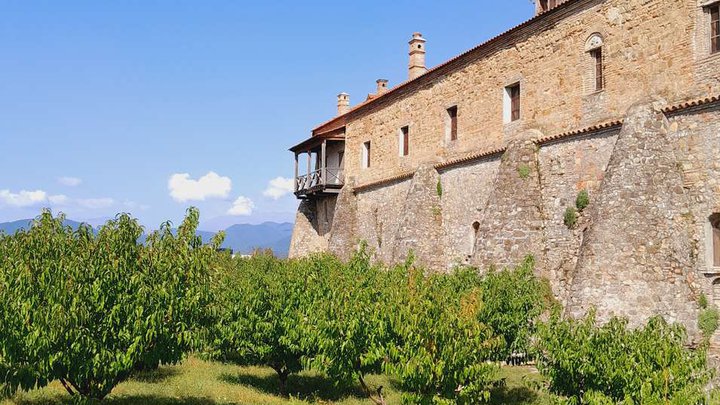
x=595, y=80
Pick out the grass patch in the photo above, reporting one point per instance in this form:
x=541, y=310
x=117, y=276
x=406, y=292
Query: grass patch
x=524, y=171
x=197, y=382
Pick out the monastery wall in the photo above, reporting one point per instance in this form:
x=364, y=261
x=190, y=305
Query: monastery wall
x=642, y=54
x=649, y=241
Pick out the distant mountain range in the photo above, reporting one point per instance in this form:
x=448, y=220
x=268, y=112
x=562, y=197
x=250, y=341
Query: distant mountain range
x=241, y=238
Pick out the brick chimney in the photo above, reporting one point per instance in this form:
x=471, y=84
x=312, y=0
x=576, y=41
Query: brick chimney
x=382, y=86
x=343, y=103
x=417, y=56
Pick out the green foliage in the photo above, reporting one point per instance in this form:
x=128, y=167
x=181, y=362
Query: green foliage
x=582, y=200
x=434, y=333
x=260, y=301
x=436, y=211
x=443, y=350
x=570, y=218
x=708, y=321
x=350, y=323
x=439, y=189
x=513, y=300
x=708, y=318
x=703, y=301
x=524, y=171
x=590, y=364
x=89, y=310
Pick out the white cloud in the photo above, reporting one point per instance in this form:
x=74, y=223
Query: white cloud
x=23, y=198
x=95, y=203
x=135, y=206
x=183, y=188
x=279, y=187
x=242, y=206
x=69, y=181
x=58, y=199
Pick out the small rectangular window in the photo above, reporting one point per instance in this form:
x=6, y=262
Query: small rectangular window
x=715, y=28
x=404, y=141
x=366, y=155
x=512, y=103
x=453, y=114
x=598, y=68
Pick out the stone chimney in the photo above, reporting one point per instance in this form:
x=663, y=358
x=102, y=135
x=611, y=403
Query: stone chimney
x=417, y=56
x=382, y=87
x=343, y=103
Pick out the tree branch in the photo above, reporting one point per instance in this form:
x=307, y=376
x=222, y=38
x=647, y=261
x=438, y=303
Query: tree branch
x=67, y=387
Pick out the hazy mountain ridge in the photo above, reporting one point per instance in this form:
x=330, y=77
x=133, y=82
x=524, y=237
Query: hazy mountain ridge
x=241, y=238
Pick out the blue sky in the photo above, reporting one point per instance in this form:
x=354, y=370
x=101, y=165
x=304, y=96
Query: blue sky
x=151, y=106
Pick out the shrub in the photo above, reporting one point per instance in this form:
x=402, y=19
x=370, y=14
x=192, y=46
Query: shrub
x=582, y=200
x=88, y=310
x=587, y=363
x=443, y=350
x=512, y=302
x=703, y=301
x=570, y=218
x=348, y=327
x=439, y=189
x=260, y=302
x=708, y=321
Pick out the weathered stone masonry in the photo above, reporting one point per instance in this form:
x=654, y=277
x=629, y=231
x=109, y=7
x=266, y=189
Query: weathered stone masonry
x=649, y=160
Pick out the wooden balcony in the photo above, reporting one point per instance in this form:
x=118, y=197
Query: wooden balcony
x=319, y=182
x=324, y=175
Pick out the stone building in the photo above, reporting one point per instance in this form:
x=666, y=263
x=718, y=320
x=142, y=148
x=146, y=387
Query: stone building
x=477, y=160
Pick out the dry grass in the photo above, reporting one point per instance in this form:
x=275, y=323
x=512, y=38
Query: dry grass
x=196, y=382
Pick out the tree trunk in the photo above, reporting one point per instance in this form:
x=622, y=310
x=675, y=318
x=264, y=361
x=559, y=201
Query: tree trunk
x=379, y=400
x=283, y=374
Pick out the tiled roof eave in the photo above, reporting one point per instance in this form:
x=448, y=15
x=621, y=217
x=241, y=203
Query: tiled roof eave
x=679, y=107
x=450, y=65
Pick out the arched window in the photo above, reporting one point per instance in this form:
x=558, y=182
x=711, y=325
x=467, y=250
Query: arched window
x=473, y=237
x=595, y=63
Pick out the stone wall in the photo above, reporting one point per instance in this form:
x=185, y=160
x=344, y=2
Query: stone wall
x=696, y=138
x=568, y=166
x=313, y=223
x=512, y=223
x=636, y=257
x=640, y=248
x=379, y=211
x=465, y=192
x=648, y=49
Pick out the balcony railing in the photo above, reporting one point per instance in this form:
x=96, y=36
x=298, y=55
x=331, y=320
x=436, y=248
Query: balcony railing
x=320, y=180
